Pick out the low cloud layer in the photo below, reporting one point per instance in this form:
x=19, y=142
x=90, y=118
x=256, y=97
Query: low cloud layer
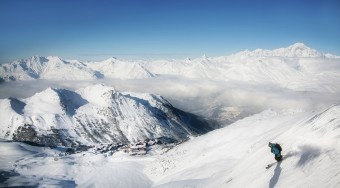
x=195, y=95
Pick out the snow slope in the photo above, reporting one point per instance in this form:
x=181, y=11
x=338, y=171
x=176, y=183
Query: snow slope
x=95, y=114
x=54, y=68
x=29, y=166
x=234, y=156
x=51, y=67
x=114, y=68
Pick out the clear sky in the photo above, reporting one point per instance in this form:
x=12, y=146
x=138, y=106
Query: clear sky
x=137, y=29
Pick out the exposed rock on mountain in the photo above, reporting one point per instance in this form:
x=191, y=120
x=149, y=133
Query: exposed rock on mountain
x=95, y=114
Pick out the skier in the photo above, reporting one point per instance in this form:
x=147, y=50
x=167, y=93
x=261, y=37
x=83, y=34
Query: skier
x=276, y=149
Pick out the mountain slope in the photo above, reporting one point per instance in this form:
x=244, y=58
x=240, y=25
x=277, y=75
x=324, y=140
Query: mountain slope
x=95, y=114
x=50, y=67
x=294, y=76
x=236, y=156
x=293, y=67
x=259, y=65
x=114, y=68
x=54, y=68
x=295, y=50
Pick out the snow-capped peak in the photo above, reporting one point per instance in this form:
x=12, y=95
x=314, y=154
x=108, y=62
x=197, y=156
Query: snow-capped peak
x=54, y=58
x=298, y=45
x=114, y=68
x=110, y=60
x=95, y=114
x=97, y=94
x=45, y=102
x=37, y=59
x=295, y=50
x=188, y=59
x=51, y=67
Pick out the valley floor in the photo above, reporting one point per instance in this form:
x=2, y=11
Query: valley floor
x=234, y=156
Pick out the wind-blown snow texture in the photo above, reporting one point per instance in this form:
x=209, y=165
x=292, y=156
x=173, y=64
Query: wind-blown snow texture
x=288, y=95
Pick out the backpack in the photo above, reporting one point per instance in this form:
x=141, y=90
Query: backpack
x=279, y=147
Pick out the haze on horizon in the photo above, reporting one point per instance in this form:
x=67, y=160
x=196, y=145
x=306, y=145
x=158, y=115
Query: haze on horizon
x=92, y=30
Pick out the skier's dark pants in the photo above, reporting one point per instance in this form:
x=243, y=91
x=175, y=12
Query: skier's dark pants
x=278, y=157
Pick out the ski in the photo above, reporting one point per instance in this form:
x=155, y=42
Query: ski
x=270, y=165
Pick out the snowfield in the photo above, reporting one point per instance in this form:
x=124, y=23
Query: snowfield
x=288, y=95
x=234, y=156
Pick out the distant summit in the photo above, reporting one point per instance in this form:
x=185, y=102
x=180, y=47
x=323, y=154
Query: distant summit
x=295, y=50
x=115, y=68
x=55, y=68
x=216, y=68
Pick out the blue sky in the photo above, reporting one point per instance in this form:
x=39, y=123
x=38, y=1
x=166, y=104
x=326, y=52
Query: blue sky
x=87, y=30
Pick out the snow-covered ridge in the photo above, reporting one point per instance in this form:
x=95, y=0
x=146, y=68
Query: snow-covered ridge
x=114, y=68
x=295, y=50
x=51, y=67
x=233, y=156
x=216, y=68
x=55, y=68
x=95, y=114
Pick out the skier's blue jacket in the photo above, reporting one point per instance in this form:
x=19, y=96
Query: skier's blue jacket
x=275, y=150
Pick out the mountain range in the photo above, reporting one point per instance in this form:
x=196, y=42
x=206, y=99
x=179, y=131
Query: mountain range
x=291, y=70
x=275, y=65
x=288, y=96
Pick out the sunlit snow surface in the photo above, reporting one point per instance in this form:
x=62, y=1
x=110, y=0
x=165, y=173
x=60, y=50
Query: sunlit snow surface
x=224, y=88
x=234, y=156
x=288, y=95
